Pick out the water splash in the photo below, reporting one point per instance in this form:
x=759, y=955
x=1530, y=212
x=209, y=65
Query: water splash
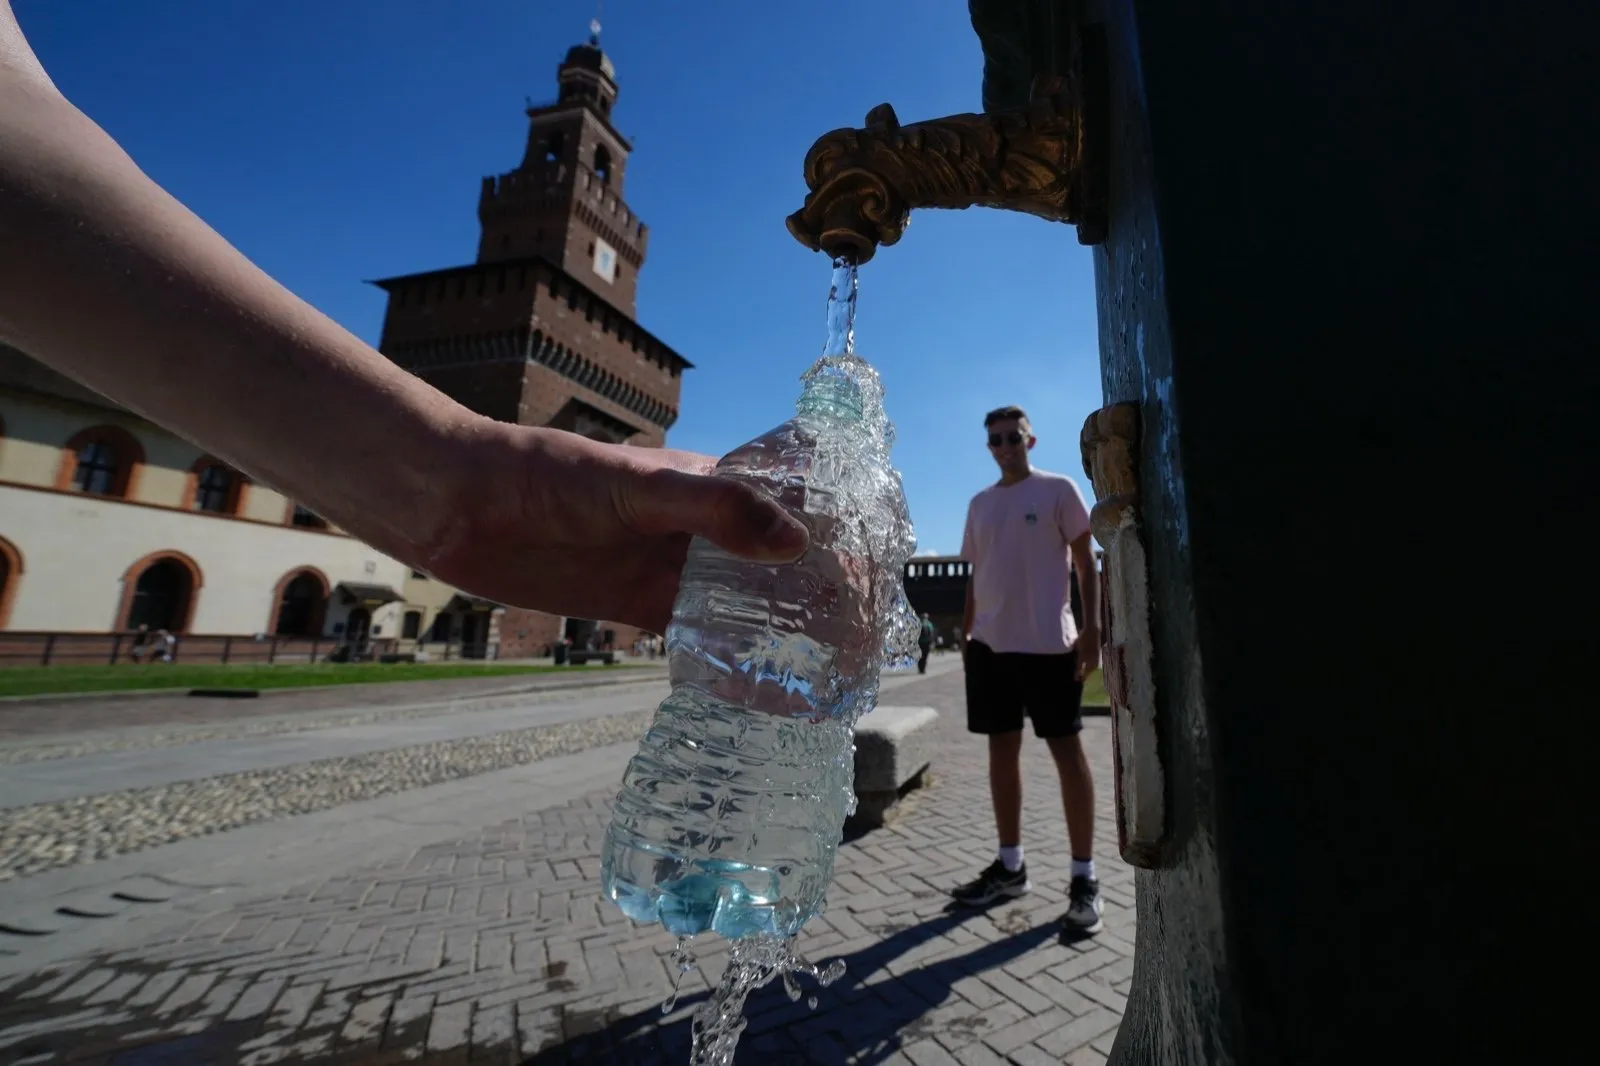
x=753, y=962
x=730, y=815
x=684, y=962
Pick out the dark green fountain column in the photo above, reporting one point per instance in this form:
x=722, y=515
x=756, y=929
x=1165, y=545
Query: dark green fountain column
x=1350, y=281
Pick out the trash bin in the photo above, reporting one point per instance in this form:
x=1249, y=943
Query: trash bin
x=561, y=655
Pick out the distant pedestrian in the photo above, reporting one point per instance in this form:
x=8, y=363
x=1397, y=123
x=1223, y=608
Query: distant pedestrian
x=924, y=643
x=1024, y=655
x=141, y=644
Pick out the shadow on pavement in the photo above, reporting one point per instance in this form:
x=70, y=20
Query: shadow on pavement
x=855, y=1021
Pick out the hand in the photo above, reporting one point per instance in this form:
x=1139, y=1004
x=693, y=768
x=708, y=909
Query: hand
x=555, y=522
x=1088, y=649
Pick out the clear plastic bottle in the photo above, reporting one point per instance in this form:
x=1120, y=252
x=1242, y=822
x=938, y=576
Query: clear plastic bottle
x=730, y=814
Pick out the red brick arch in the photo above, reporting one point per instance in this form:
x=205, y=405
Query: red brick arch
x=10, y=578
x=318, y=617
x=130, y=457
x=130, y=582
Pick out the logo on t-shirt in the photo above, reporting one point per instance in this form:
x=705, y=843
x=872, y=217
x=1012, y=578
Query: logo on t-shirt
x=1032, y=517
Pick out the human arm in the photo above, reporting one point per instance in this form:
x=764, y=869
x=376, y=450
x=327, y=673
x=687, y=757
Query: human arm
x=111, y=281
x=1072, y=519
x=967, y=614
x=1088, y=646
x=969, y=610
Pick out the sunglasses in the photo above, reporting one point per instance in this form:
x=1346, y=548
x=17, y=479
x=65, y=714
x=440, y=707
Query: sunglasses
x=997, y=439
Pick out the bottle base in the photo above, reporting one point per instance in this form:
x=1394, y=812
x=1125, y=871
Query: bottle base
x=706, y=902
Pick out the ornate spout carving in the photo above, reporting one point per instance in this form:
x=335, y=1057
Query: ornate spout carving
x=1043, y=158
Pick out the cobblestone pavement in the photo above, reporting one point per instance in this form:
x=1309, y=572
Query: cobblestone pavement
x=496, y=947
x=401, y=705
x=29, y=718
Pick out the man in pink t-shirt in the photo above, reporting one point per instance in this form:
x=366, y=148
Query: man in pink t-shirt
x=1024, y=655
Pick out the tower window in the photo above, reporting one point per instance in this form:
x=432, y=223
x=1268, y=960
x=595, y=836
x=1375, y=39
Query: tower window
x=602, y=163
x=553, y=146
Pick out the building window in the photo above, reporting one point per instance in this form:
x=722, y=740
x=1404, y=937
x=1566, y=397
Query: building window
x=300, y=600
x=214, y=489
x=553, y=147
x=97, y=468
x=411, y=625
x=101, y=460
x=306, y=518
x=159, y=593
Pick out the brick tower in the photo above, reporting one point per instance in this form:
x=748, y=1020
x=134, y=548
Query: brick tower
x=540, y=329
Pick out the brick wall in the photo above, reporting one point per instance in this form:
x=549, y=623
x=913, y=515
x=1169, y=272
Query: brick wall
x=527, y=634
x=532, y=634
x=490, y=389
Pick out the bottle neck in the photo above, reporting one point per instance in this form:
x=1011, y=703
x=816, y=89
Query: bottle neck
x=831, y=398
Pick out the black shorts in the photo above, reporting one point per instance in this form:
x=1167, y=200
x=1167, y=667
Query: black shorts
x=1002, y=686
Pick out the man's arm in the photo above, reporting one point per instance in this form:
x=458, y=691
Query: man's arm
x=967, y=613
x=111, y=281
x=969, y=552
x=1089, y=592
x=106, y=278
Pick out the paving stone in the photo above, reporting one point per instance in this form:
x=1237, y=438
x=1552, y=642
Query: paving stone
x=498, y=944
x=1079, y=1032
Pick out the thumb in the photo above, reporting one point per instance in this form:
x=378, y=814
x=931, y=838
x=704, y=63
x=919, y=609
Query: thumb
x=734, y=517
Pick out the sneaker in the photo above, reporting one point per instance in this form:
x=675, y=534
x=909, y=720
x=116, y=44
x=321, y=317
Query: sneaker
x=994, y=883
x=1084, y=910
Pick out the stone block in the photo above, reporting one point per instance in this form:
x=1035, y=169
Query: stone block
x=894, y=748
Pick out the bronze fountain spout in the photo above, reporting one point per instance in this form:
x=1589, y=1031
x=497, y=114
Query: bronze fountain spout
x=1044, y=158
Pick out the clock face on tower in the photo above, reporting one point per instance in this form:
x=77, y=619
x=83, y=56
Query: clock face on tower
x=605, y=260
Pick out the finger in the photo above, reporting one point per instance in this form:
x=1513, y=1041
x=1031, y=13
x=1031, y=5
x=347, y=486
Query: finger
x=734, y=517
x=693, y=462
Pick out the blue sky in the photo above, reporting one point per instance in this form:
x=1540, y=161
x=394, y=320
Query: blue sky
x=335, y=141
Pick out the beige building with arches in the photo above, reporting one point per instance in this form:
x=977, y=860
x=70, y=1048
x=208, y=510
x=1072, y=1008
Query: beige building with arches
x=109, y=523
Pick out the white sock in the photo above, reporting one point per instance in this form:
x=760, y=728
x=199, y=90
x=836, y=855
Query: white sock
x=1011, y=858
x=1083, y=868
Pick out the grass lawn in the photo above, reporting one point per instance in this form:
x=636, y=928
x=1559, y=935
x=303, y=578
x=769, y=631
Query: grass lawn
x=45, y=680
x=41, y=680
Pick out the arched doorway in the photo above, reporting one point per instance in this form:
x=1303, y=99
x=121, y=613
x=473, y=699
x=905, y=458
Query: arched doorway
x=299, y=603
x=10, y=577
x=357, y=625
x=162, y=596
